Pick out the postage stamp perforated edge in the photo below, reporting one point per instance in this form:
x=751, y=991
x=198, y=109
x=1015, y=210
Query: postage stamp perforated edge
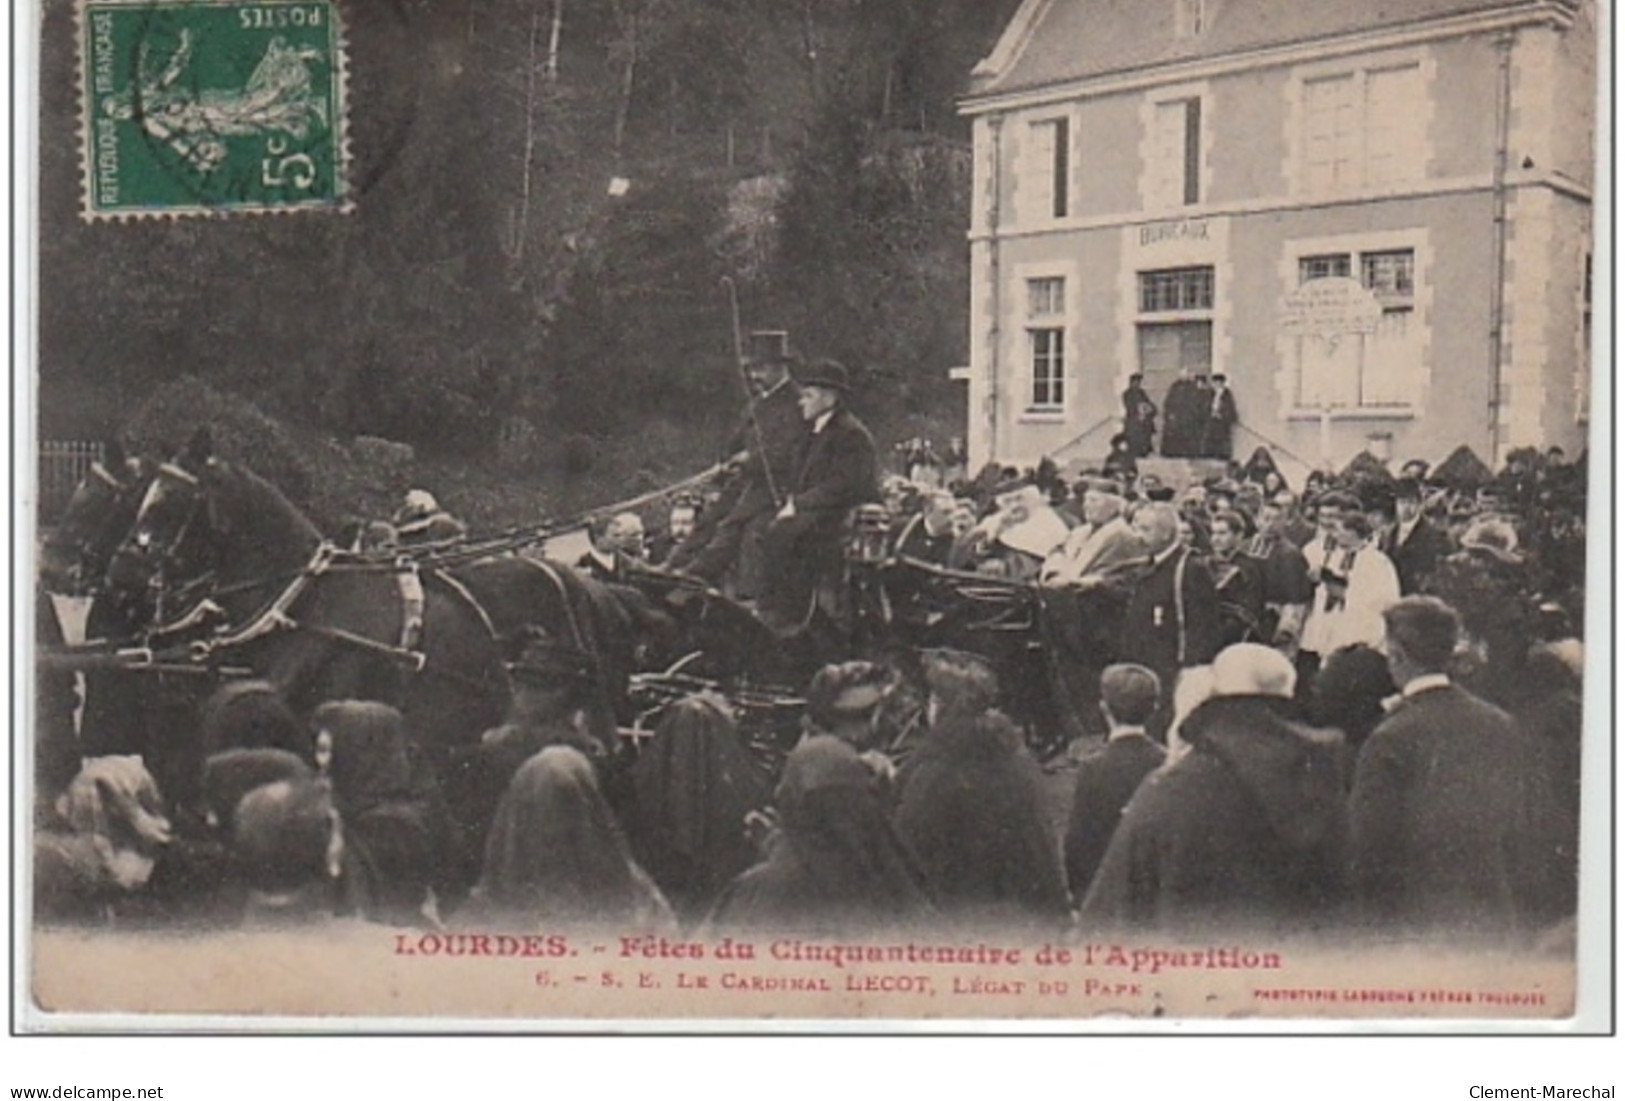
x=342, y=202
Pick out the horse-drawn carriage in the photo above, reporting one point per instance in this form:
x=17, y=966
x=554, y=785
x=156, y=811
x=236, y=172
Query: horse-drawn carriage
x=201, y=571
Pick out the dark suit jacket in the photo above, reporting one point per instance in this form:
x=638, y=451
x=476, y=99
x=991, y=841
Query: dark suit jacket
x=1107, y=779
x=835, y=472
x=616, y=575
x=1440, y=812
x=1241, y=599
x=1152, y=633
x=782, y=438
x=1418, y=556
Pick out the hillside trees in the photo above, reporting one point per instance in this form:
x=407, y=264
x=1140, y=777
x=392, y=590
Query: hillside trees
x=486, y=272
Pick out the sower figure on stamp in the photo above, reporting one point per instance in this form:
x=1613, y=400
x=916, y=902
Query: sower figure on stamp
x=835, y=473
x=764, y=449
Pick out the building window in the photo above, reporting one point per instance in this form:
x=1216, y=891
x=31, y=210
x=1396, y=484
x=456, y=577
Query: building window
x=1362, y=370
x=1176, y=289
x=1175, y=330
x=1048, y=170
x=1362, y=130
x=1046, y=342
x=1332, y=266
x=1190, y=18
x=1174, y=176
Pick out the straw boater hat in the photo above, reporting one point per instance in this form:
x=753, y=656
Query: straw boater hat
x=1494, y=537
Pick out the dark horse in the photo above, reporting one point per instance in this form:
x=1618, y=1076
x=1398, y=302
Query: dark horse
x=213, y=537
x=123, y=711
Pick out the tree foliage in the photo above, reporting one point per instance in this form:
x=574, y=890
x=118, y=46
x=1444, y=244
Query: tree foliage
x=487, y=273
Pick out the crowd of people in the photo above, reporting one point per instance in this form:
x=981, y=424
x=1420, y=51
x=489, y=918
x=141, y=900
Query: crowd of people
x=1353, y=705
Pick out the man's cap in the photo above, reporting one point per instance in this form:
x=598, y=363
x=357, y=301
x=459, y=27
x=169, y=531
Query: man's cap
x=848, y=690
x=1013, y=485
x=1099, y=484
x=826, y=373
x=1377, y=496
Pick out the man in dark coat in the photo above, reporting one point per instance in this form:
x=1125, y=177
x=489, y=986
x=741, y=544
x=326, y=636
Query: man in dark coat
x=1288, y=590
x=1246, y=832
x=1109, y=776
x=1172, y=618
x=1238, y=581
x=1441, y=805
x=1414, y=543
x=928, y=536
x=835, y=472
x=971, y=808
x=1139, y=418
x=1184, y=413
x=1219, y=418
x=1488, y=582
x=616, y=541
x=764, y=449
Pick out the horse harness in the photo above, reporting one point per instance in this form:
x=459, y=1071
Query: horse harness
x=408, y=648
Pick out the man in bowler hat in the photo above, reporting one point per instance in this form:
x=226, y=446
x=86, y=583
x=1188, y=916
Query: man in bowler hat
x=834, y=472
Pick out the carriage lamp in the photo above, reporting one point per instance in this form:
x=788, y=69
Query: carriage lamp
x=870, y=542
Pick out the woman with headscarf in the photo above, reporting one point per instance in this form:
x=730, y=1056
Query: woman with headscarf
x=213, y=885
x=289, y=850
x=230, y=775
x=1551, y=716
x=394, y=818
x=972, y=807
x=250, y=714
x=113, y=828
x=1259, y=466
x=241, y=714
x=556, y=856
x=228, y=779
x=693, y=785
x=834, y=865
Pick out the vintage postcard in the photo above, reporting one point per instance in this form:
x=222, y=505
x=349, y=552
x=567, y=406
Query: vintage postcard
x=1045, y=514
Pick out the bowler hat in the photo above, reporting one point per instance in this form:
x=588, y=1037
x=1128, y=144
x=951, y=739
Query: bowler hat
x=824, y=372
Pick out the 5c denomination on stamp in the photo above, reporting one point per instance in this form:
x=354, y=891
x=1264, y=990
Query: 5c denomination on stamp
x=211, y=107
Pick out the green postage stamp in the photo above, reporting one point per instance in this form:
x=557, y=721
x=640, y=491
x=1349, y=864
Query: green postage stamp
x=211, y=107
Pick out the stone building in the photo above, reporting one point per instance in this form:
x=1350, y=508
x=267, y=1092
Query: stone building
x=1373, y=217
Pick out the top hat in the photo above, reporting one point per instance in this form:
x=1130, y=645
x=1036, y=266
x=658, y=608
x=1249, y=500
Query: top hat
x=768, y=346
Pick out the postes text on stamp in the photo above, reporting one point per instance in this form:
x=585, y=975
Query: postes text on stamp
x=211, y=107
